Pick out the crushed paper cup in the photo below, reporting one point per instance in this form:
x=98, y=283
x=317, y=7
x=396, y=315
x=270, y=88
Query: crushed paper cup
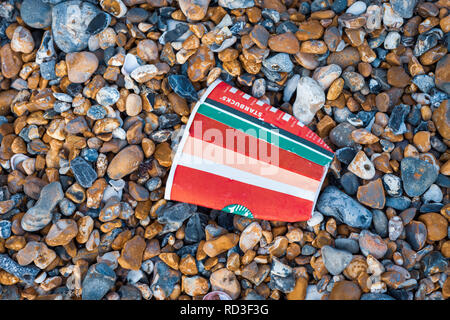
x=243, y=156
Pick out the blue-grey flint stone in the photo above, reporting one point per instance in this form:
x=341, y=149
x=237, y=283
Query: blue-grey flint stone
x=36, y=14
x=83, y=172
x=335, y=260
x=403, y=8
x=99, y=279
x=70, y=21
x=417, y=175
x=335, y=203
x=24, y=273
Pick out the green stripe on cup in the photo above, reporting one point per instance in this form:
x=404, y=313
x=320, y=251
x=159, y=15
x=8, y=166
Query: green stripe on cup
x=262, y=133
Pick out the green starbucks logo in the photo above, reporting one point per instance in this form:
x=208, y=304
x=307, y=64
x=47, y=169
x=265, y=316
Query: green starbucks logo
x=238, y=209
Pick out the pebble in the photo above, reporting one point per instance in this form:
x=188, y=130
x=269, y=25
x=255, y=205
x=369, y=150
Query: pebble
x=225, y=281
x=182, y=86
x=70, y=21
x=250, y=237
x=107, y=96
x=100, y=278
x=362, y=167
x=83, y=172
x=403, y=8
x=81, y=66
x=372, y=244
x=372, y=194
x=40, y=214
x=335, y=203
x=22, y=40
x=61, y=233
x=125, y=162
x=279, y=63
x=357, y=8
x=436, y=224
x=36, y=13
x=417, y=175
x=310, y=98
x=335, y=260
x=345, y=290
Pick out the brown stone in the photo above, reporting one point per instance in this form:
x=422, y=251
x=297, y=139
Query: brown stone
x=436, y=225
x=225, y=281
x=125, y=162
x=147, y=50
x=94, y=194
x=10, y=62
x=132, y=252
x=309, y=30
x=194, y=286
x=442, y=74
x=200, y=64
x=362, y=136
x=397, y=77
x=61, y=232
x=81, y=66
x=441, y=119
x=299, y=292
x=260, y=36
x=347, y=57
x=163, y=154
x=345, y=290
x=171, y=259
x=188, y=265
x=220, y=244
x=22, y=40
x=285, y=42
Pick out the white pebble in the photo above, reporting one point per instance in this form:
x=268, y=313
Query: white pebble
x=433, y=194
x=316, y=218
x=357, y=8
x=392, y=40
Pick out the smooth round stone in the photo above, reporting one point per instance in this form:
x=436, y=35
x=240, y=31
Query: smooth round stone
x=417, y=175
x=70, y=21
x=359, y=7
x=372, y=244
x=341, y=135
x=236, y=4
x=392, y=40
x=398, y=203
x=339, y=6
x=107, y=96
x=335, y=203
x=5, y=229
x=97, y=112
x=316, y=218
x=36, y=13
x=392, y=185
x=404, y=8
x=133, y=104
x=349, y=245
x=136, y=15
x=279, y=63
x=308, y=250
x=380, y=223
x=81, y=66
x=350, y=183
